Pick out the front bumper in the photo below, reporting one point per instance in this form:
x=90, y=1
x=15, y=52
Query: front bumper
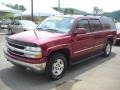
x=37, y=66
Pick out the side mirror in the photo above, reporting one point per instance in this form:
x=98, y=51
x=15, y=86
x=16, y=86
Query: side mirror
x=81, y=31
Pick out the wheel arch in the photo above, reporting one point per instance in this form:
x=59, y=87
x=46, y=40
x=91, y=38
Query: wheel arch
x=64, y=51
x=110, y=39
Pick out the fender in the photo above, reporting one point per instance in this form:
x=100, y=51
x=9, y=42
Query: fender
x=58, y=47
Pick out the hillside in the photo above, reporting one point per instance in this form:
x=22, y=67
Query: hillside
x=115, y=15
x=71, y=11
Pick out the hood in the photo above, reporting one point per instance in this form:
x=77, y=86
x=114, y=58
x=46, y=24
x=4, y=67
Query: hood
x=29, y=36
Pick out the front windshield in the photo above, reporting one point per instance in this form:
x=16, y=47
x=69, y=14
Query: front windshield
x=57, y=23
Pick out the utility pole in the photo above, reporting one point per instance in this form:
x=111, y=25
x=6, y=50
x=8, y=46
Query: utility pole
x=59, y=4
x=32, y=10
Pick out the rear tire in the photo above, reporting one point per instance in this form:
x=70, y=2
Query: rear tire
x=56, y=66
x=107, y=50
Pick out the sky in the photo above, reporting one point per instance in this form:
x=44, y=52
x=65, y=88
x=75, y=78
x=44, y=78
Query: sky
x=84, y=5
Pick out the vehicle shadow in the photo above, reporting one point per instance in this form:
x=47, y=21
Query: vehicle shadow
x=18, y=79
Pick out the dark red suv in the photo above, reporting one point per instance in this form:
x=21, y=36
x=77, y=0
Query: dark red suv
x=60, y=41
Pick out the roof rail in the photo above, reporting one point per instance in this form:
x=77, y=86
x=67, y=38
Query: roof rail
x=95, y=15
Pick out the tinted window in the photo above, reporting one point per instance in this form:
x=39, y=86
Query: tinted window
x=108, y=23
x=96, y=25
x=83, y=23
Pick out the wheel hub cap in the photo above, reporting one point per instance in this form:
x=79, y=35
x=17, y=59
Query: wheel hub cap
x=58, y=67
x=108, y=49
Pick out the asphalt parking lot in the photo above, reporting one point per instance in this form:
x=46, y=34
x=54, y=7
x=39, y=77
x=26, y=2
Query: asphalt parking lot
x=97, y=74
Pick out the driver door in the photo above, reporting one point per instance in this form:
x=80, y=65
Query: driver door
x=83, y=42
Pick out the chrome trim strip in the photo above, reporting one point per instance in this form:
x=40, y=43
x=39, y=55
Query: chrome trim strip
x=88, y=48
x=36, y=67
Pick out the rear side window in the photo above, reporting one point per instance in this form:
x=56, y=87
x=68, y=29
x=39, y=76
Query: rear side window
x=108, y=23
x=96, y=25
x=83, y=23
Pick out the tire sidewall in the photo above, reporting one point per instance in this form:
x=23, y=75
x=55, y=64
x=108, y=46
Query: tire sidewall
x=50, y=63
x=105, y=51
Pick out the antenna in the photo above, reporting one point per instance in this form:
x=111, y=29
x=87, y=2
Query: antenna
x=35, y=33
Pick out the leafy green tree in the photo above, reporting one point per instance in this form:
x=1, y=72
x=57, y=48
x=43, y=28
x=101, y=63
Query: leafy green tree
x=21, y=7
x=106, y=14
x=69, y=11
x=16, y=6
x=97, y=11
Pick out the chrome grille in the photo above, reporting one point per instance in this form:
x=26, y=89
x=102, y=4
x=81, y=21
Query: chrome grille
x=15, y=48
x=16, y=52
x=16, y=45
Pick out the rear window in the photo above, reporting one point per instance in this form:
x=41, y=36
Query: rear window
x=108, y=23
x=96, y=25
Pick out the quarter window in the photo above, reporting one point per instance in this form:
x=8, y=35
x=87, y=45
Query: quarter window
x=108, y=23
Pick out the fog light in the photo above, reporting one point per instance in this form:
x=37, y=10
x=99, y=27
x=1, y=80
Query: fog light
x=37, y=56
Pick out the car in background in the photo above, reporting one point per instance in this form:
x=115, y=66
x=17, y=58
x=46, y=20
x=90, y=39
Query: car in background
x=20, y=26
x=4, y=23
x=118, y=32
x=4, y=26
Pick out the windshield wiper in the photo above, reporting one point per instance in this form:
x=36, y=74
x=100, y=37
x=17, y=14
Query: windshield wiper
x=40, y=28
x=53, y=30
x=49, y=30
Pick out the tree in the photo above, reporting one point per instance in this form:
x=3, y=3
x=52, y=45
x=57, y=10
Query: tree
x=106, y=14
x=16, y=6
x=22, y=8
x=97, y=11
x=69, y=11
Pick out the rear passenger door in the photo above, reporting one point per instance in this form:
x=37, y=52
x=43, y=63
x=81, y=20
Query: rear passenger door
x=98, y=33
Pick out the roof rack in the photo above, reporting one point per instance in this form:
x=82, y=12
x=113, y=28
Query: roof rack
x=94, y=15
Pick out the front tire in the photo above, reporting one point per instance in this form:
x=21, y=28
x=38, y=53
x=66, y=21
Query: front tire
x=56, y=66
x=107, y=50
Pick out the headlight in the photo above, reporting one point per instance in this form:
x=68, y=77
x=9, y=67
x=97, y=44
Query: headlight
x=34, y=49
x=33, y=52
